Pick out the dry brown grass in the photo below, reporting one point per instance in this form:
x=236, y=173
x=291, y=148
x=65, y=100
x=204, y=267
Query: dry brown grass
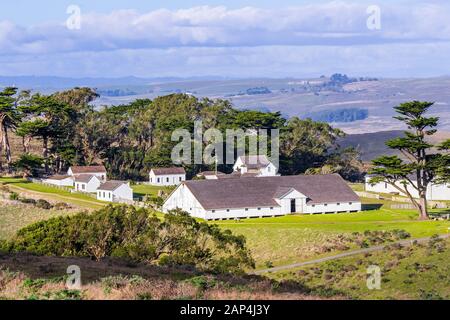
x=25, y=276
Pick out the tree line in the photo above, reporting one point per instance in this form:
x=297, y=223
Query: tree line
x=132, y=138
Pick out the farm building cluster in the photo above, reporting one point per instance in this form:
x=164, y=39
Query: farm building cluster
x=93, y=179
x=253, y=189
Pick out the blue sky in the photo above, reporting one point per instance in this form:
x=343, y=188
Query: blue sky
x=234, y=38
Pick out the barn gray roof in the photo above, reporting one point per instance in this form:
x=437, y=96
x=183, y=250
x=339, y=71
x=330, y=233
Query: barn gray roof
x=262, y=191
x=171, y=170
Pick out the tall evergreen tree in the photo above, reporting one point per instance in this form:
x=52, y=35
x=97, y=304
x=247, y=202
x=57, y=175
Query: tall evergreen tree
x=420, y=165
x=9, y=117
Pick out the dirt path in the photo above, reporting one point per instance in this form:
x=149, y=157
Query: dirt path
x=54, y=196
x=344, y=255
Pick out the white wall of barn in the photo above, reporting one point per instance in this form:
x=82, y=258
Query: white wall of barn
x=183, y=198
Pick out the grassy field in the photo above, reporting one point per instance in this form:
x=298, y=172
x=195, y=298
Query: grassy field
x=15, y=217
x=420, y=271
x=282, y=240
x=141, y=190
x=297, y=238
x=54, y=193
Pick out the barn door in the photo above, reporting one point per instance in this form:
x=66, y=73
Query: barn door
x=293, y=206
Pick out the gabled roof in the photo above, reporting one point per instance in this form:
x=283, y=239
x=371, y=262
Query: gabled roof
x=171, y=170
x=88, y=169
x=59, y=177
x=84, y=178
x=111, y=185
x=282, y=191
x=255, y=192
x=255, y=162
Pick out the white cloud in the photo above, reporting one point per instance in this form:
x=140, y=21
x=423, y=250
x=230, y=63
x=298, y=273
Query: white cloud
x=334, y=23
x=249, y=41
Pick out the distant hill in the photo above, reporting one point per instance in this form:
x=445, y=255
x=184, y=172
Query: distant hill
x=371, y=145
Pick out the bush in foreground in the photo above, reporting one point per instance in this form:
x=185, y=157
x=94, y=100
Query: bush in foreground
x=137, y=235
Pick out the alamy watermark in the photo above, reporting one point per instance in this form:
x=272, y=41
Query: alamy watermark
x=73, y=22
x=223, y=147
x=73, y=281
x=373, y=281
x=374, y=20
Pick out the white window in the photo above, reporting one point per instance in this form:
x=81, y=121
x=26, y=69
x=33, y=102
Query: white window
x=158, y=180
x=167, y=179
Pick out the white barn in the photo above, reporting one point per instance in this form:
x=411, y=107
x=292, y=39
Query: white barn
x=167, y=176
x=435, y=192
x=98, y=171
x=87, y=183
x=60, y=180
x=115, y=191
x=263, y=196
x=258, y=166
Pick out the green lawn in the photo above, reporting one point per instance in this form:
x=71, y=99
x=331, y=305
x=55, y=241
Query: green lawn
x=15, y=217
x=415, y=272
x=289, y=239
x=58, y=194
x=141, y=190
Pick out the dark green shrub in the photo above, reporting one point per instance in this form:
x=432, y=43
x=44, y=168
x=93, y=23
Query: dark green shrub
x=62, y=206
x=13, y=196
x=43, y=204
x=28, y=201
x=137, y=235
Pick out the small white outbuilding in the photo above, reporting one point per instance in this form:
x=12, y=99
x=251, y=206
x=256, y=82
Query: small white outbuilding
x=257, y=166
x=60, y=180
x=167, y=176
x=98, y=171
x=435, y=192
x=115, y=191
x=87, y=183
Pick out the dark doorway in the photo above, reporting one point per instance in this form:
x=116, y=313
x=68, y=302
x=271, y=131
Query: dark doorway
x=293, y=209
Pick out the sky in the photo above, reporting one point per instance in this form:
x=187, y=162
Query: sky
x=291, y=38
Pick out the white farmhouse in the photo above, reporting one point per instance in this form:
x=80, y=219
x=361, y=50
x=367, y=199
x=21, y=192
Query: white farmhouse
x=98, y=171
x=435, y=192
x=167, y=176
x=115, y=191
x=87, y=183
x=263, y=196
x=60, y=180
x=258, y=166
